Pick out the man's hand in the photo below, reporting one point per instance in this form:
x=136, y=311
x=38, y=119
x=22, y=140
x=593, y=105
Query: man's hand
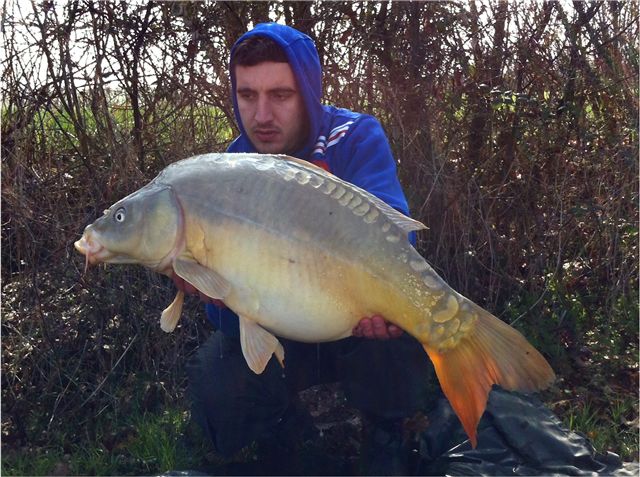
x=189, y=289
x=376, y=327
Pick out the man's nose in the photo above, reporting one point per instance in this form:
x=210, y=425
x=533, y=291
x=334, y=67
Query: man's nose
x=264, y=114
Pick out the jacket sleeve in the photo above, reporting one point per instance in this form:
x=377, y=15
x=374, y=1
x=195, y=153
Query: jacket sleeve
x=366, y=160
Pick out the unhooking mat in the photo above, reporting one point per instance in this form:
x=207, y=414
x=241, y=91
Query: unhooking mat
x=517, y=435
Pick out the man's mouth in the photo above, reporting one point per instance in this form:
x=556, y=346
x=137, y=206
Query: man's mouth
x=266, y=135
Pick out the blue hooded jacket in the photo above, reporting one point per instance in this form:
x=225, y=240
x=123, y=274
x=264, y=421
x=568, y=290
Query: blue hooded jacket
x=352, y=146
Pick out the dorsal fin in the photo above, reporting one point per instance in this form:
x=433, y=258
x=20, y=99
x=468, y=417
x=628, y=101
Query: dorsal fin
x=406, y=224
x=304, y=163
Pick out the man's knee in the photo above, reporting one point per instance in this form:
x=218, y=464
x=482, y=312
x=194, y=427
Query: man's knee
x=232, y=404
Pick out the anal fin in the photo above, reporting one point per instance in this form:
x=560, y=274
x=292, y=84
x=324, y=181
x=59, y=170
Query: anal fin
x=258, y=345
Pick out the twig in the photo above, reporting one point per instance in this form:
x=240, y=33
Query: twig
x=64, y=391
x=110, y=371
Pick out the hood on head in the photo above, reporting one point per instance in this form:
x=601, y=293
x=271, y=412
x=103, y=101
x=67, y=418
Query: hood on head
x=305, y=63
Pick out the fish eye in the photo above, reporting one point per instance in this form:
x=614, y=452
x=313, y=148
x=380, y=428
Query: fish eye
x=120, y=215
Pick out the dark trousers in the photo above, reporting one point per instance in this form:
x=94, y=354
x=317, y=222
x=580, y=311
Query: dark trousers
x=384, y=379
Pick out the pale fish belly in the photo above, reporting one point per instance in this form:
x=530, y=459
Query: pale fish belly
x=295, y=289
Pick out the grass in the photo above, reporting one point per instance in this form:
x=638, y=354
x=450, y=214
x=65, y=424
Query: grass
x=156, y=446
x=145, y=443
x=611, y=429
x=153, y=443
x=32, y=462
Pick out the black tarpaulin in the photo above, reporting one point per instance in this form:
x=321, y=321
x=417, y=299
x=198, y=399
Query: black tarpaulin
x=517, y=435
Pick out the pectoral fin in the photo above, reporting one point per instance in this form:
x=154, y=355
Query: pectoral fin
x=171, y=314
x=258, y=345
x=204, y=279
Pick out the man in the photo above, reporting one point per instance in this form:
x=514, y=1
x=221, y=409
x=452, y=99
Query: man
x=277, y=91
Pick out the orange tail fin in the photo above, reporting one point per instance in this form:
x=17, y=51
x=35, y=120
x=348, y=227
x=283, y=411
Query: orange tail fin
x=492, y=353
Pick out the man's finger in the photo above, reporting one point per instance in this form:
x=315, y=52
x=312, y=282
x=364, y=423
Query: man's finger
x=366, y=328
x=394, y=331
x=376, y=327
x=379, y=328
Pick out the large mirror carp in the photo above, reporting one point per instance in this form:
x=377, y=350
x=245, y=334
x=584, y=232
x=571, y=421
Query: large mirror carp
x=298, y=253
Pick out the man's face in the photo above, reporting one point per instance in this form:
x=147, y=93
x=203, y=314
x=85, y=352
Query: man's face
x=271, y=107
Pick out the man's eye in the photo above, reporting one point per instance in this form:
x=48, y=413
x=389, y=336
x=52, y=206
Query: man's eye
x=282, y=96
x=247, y=96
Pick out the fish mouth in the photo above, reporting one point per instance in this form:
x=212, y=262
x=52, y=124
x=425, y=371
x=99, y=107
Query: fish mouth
x=93, y=250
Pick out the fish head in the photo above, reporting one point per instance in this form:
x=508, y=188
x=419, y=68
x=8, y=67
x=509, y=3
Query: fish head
x=143, y=228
